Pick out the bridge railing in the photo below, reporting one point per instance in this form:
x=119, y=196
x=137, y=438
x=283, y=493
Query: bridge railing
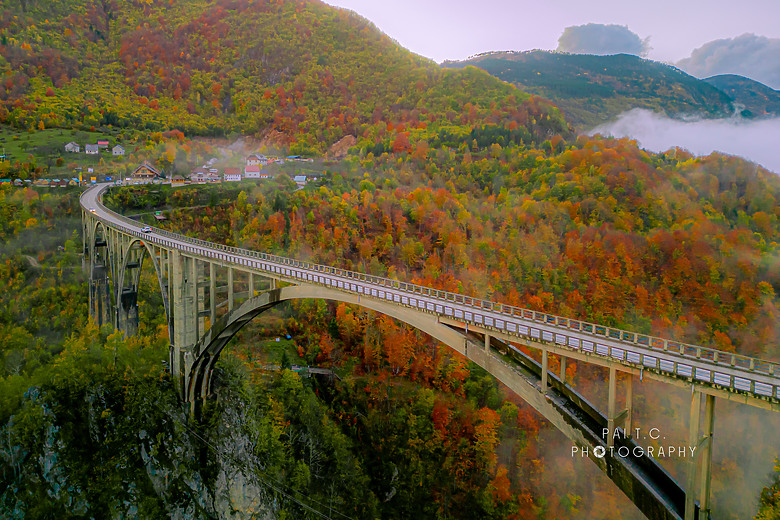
x=675, y=349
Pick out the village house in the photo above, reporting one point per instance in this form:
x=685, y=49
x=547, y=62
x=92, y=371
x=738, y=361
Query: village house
x=102, y=143
x=252, y=171
x=72, y=147
x=256, y=160
x=118, y=150
x=145, y=173
x=178, y=180
x=300, y=180
x=232, y=174
x=91, y=149
x=198, y=178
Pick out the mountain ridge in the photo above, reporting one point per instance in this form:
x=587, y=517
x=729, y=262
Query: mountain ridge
x=758, y=99
x=592, y=90
x=312, y=72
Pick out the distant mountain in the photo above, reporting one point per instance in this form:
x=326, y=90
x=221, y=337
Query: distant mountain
x=591, y=90
x=757, y=99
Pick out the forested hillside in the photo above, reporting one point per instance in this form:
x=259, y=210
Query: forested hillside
x=310, y=72
x=755, y=99
x=592, y=90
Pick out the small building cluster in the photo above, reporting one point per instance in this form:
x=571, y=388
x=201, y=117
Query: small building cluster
x=204, y=175
x=254, y=168
x=94, y=149
x=42, y=183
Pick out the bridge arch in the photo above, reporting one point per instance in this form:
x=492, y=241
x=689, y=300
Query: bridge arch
x=206, y=352
x=129, y=265
x=99, y=260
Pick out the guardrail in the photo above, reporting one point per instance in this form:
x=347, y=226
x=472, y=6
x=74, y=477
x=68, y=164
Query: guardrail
x=694, y=362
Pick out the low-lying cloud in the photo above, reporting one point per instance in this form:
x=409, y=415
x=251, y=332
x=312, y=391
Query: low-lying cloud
x=596, y=38
x=757, y=141
x=756, y=57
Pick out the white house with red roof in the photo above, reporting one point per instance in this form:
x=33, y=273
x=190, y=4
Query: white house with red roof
x=232, y=174
x=252, y=171
x=256, y=159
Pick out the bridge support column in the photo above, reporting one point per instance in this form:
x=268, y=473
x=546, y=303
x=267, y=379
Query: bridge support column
x=251, y=285
x=199, y=296
x=99, y=295
x=706, y=479
x=628, y=425
x=212, y=294
x=126, y=302
x=563, y=369
x=169, y=261
x=693, y=438
x=128, y=312
x=184, y=318
x=544, y=372
x=230, y=289
x=700, y=465
x=487, y=342
x=611, y=406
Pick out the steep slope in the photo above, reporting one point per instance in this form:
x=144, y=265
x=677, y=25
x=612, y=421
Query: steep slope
x=310, y=71
x=594, y=89
x=757, y=99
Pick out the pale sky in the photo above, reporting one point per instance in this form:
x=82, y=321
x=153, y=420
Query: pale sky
x=456, y=29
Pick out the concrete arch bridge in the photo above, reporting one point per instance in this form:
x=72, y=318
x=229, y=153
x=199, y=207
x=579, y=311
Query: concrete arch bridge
x=196, y=277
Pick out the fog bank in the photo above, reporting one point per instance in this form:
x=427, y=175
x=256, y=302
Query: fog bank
x=757, y=141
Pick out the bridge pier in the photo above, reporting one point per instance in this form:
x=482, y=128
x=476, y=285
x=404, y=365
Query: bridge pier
x=99, y=295
x=212, y=294
x=700, y=465
x=231, y=290
x=617, y=419
x=201, y=282
x=563, y=369
x=127, y=311
x=706, y=467
x=611, y=406
x=126, y=299
x=185, y=317
x=629, y=410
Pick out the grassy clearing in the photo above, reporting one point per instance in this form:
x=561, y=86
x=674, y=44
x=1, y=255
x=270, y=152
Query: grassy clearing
x=47, y=148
